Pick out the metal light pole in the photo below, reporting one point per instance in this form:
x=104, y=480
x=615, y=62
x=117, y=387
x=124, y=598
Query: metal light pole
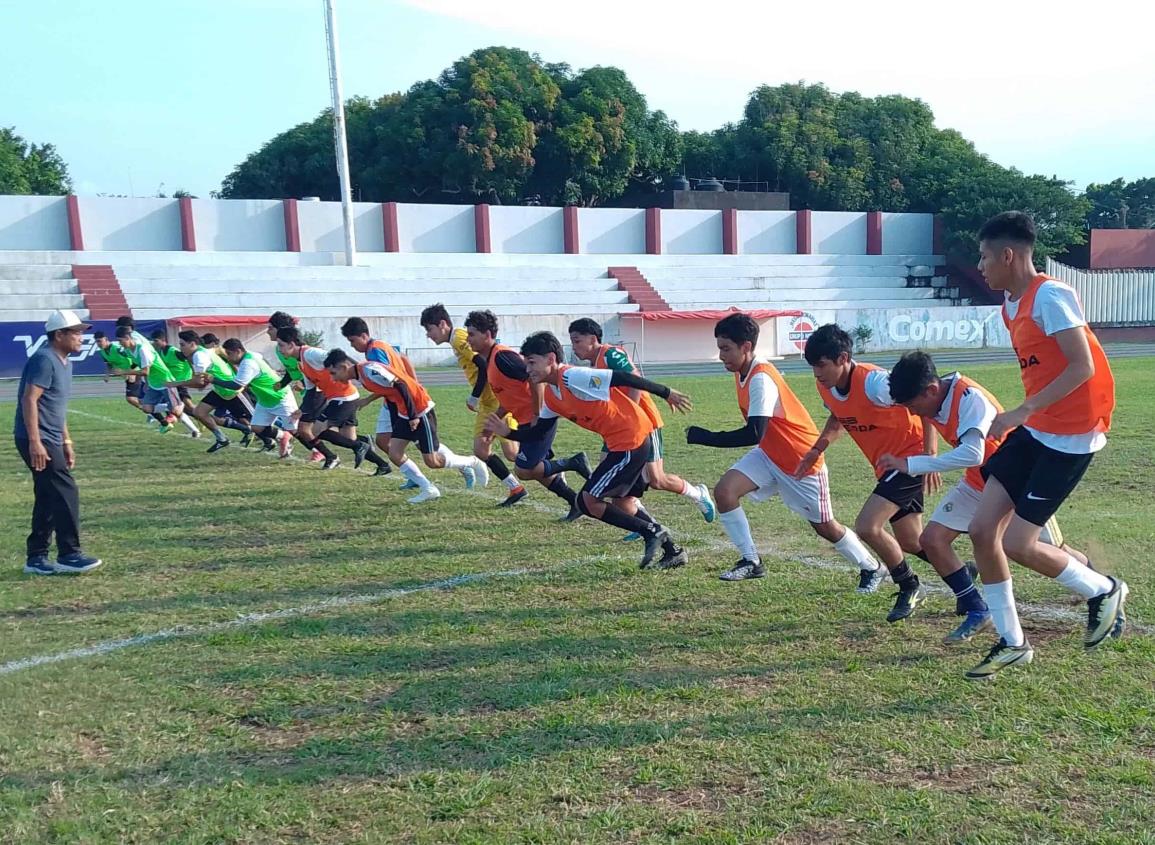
x=340, y=143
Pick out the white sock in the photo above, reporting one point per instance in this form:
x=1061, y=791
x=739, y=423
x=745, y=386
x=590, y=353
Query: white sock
x=691, y=491
x=187, y=422
x=1001, y=600
x=219, y=435
x=855, y=551
x=453, y=460
x=413, y=473
x=738, y=530
x=1086, y=582
x=511, y=481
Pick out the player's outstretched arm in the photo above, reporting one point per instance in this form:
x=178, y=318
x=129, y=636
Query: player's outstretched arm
x=830, y=432
x=749, y=435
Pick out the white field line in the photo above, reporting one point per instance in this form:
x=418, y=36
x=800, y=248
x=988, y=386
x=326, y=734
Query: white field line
x=247, y=620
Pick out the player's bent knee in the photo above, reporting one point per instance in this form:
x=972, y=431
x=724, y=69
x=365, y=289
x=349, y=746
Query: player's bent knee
x=585, y=503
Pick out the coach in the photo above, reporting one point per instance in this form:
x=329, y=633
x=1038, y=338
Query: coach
x=41, y=434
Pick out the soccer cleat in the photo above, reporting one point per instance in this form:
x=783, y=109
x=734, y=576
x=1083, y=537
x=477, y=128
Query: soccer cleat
x=164, y=429
x=744, y=570
x=905, y=601
x=246, y=440
x=673, y=558
x=409, y=484
x=480, y=472
x=580, y=464
x=706, y=503
x=515, y=495
x=384, y=469
x=332, y=463
x=426, y=495
x=869, y=580
x=1103, y=613
x=285, y=444
x=316, y=456
x=470, y=477
x=75, y=564
x=268, y=445
x=217, y=446
x=999, y=658
x=655, y=541
x=975, y=623
x=359, y=453
x=38, y=565
x=573, y=515
x=631, y=537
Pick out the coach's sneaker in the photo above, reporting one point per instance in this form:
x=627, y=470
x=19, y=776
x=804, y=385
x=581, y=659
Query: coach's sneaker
x=673, y=557
x=515, y=495
x=332, y=463
x=409, y=484
x=999, y=658
x=383, y=469
x=975, y=623
x=580, y=464
x=706, y=503
x=284, y=444
x=1103, y=612
x=481, y=472
x=427, y=494
x=869, y=580
x=660, y=539
x=217, y=446
x=905, y=601
x=359, y=452
x=75, y=564
x=38, y=565
x=744, y=570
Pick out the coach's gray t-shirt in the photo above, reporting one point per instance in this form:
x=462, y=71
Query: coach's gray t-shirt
x=45, y=369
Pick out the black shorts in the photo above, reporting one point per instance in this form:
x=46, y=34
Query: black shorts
x=620, y=473
x=903, y=491
x=1036, y=477
x=133, y=388
x=533, y=452
x=338, y=414
x=425, y=435
x=185, y=397
x=312, y=403
x=237, y=407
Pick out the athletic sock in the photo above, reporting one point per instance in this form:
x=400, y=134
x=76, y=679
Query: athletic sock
x=220, y=436
x=738, y=530
x=497, y=467
x=1001, y=600
x=855, y=551
x=562, y=490
x=964, y=589
x=691, y=491
x=618, y=518
x=454, y=460
x=1083, y=580
x=413, y=473
x=904, y=577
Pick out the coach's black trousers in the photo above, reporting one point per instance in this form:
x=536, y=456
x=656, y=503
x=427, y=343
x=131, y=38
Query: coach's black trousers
x=56, y=506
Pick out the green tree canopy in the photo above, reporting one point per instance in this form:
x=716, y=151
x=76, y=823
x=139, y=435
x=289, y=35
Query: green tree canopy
x=31, y=168
x=1122, y=205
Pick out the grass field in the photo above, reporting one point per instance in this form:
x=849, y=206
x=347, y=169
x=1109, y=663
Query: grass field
x=579, y=701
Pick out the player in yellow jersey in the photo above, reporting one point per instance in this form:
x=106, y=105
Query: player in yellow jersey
x=439, y=329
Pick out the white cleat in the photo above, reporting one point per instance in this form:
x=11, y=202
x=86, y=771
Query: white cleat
x=480, y=472
x=428, y=494
x=706, y=503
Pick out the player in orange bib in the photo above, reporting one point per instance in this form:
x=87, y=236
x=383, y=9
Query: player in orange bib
x=781, y=431
x=587, y=397
x=508, y=378
x=1054, y=434
x=858, y=398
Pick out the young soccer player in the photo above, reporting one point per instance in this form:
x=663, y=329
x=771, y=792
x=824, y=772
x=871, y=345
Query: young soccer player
x=858, y=398
x=439, y=329
x=330, y=414
x=507, y=375
x=274, y=403
x=416, y=423
x=1054, y=435
x=117, y=360
x=232, y=407
x=585, y=336
x=588, y=398
x=177, y=365
x=160, y=396
x=781, y=431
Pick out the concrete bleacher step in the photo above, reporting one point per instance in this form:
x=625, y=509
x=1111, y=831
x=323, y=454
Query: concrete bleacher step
x=17, y=287
x=46, y=301
x=35, y=272
x=35, y=315
x=225, y=303
x=340, y=311
x=674, y=286
x=369, y=288
x=800, y=294
x=355, y=274
x=784, y=271
x=829, y=305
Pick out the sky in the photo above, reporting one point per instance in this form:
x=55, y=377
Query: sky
x=148, y=96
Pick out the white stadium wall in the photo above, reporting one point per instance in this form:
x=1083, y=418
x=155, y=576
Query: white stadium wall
x=34, y=223
x=239, y=225
x=906, y=234
x=115, y=223
x=526, y=229
x=322, y=226
x=767, y=233
x=688, y=232
x=839, y=232
x=436, y=228
x=612, y=231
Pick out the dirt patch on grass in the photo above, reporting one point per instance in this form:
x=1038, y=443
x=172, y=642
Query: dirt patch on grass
x=91, y=747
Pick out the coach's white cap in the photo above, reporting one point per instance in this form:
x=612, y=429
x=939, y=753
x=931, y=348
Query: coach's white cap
x=64, y=320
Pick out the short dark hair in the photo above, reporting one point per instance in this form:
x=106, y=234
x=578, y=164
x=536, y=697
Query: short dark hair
x=483, y=321
x=827, y=342
x=234, y=345
x=210, y=339
x=158, y=334
x=123, y=331
x=189, y=336
x=435, y=314
x=99, y=335
x=586, y=325
x=335, y=357
x=290, y=334
x=126, y=320
x=354, y=326
x=282, y=320
x=1014, y=226
x=739, y=328
x=542, y=343
x=913, y=374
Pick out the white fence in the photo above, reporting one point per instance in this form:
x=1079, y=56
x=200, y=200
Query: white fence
x=1111, y=297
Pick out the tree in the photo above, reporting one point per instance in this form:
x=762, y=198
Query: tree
x=31, y=168
x=1122, y=205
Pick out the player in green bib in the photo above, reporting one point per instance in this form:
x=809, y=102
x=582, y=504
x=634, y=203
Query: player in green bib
x=220, y=406
x=116, y=360
x=160, y=394
x=273, y=402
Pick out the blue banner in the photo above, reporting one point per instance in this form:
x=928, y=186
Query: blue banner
x=19, y=341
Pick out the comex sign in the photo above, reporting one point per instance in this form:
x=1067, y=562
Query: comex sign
x=903, y=328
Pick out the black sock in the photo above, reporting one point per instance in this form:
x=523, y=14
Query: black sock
x=229, y=422
x=553, y=466
x=904, y=577
x=497, y=467
x=158, y=416
x=316, y=443
x=562, y=490
x=618, y=518
x=921, y=555
x=338, y=439
x=642, y=513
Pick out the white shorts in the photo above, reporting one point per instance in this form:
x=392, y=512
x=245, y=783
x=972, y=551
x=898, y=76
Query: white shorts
x=385, y=419
x=958, y=507
x=285, y=411
x=808, y=497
